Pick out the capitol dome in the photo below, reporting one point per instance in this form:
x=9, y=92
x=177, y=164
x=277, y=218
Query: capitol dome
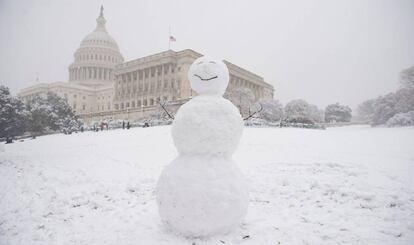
x=96, y=57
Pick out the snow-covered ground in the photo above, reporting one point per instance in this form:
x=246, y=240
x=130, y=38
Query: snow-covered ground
x=349, y=185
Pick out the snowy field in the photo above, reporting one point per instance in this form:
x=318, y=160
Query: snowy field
x=349, y=185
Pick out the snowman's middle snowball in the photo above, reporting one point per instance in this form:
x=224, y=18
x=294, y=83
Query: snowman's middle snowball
x=207, y=125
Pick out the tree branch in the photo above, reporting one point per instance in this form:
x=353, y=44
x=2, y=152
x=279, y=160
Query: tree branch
x=254, y=113
x=162, y=106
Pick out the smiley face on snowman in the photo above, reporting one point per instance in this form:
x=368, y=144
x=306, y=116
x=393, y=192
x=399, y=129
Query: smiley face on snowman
x=208, y=76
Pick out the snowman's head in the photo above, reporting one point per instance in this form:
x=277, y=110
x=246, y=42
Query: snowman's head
x=208, y=76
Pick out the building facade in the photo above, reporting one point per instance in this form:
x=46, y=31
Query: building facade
x=102, y=86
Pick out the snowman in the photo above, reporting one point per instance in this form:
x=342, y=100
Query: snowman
x=202, y=192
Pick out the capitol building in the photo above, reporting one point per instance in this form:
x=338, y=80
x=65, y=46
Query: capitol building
x=102, y=86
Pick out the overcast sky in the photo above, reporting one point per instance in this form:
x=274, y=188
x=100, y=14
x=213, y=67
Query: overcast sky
x=322, y=51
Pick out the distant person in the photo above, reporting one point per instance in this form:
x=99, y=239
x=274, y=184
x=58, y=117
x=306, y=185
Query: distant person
x=128, y=125
x=123, y=124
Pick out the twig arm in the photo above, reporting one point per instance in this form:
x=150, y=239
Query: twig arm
x=162, y=106
x=254, y=113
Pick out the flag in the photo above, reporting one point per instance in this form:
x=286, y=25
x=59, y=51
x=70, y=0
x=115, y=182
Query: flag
x=172, y=39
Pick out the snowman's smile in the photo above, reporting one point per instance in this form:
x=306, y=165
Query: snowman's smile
x=205, y=79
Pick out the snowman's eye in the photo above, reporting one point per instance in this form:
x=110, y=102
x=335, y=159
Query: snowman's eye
x=212, y=62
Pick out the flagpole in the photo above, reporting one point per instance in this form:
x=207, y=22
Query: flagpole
x=169, y=37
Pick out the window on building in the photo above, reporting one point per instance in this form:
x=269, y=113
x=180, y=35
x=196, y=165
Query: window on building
x=151, y=101
x=74, y=106
x=116, y=107
x=165, y=98
x=127, y=105
x=83, y=107
x=122, y=106
x=138, y=103
x=144, y=102
x=74, y=96
x=133, y=104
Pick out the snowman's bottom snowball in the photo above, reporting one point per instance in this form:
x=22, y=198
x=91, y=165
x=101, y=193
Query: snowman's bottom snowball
x=201, y=196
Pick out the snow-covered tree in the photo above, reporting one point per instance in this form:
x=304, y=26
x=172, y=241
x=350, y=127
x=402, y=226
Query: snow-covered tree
x=380, y=110
x=405, y=100
x=12, y=114
x=298, y=111
x=365, y=110
x=51, y=114
x=316, y=115
x=407, y=78
x=401, y=119
x=244, y=99
x=272, y=110
x=338, y=113
x=384, y=109
x=39, y=112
